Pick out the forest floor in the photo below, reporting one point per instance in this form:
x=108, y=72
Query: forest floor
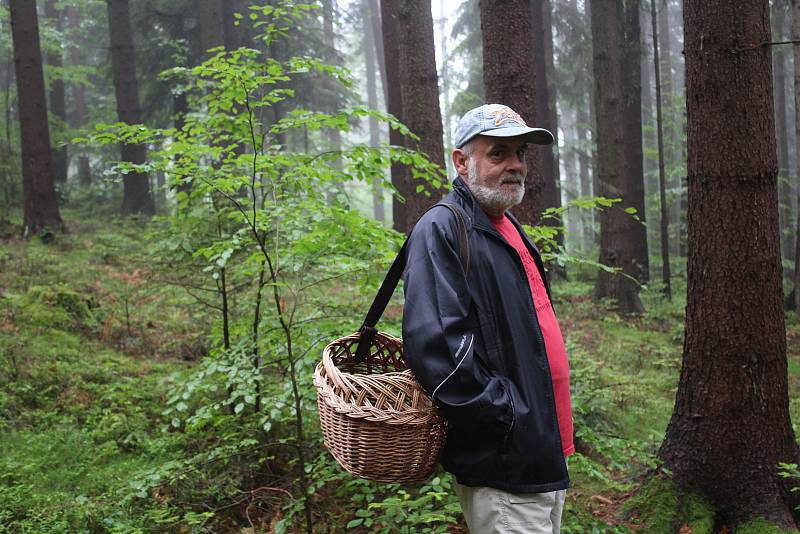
x=95, y=341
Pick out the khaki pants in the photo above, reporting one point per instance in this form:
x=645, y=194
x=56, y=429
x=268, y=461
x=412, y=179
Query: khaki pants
x=492, y=511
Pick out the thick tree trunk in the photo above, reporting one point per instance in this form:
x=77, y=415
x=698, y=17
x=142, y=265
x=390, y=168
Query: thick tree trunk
x=632, y=122
x=662, y=184
x=78, y=95
x=58, y=99
x=40, y=205
x=616, y=244
x=136, y=197
x=369, y=45
x=730, y=427
x=509, y=76
x=419, y=98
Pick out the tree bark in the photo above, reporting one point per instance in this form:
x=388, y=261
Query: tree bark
x=212, y=30
x=40, y=205
x=662, y=183
x=730, y=426
x=371, y=67
x=796, y=46
x=137, y=197
x=781, y=131
x=412, y=24
x=509, y=76
x=546, y=115
x=613, y=168
x=632, y=119
x=584, y=125
x=58, y=99
x=78, y=95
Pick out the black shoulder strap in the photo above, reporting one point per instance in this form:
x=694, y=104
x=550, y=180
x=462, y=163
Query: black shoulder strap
x=368, y=330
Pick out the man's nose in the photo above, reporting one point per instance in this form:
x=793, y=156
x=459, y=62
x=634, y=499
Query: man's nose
x=516, y=163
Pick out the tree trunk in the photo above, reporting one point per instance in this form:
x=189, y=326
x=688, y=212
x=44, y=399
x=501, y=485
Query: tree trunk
x=796, y=46
x=545, y=114
x=232, y=33
x=334, y=134
x=632, y=122
x=212, y=30
x=412, y=24
x=41, y=206
x=377, y=34
x=78, y=96
x=584, y=125
x=616, y=226
x=58, y=99
x=730, y=427
x=662, y=183
x=781, y=132
x=136, y=196
x=509, y=75
x=369, y=45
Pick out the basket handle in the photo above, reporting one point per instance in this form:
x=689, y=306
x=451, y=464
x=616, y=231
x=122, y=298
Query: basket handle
x=367, y=331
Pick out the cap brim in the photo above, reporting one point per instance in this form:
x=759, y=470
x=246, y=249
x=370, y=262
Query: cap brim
x=537, y=136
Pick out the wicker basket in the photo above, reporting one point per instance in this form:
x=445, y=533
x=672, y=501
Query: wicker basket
x=376, y=420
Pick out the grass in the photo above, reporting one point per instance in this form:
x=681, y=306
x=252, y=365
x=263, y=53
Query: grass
x=101, y=408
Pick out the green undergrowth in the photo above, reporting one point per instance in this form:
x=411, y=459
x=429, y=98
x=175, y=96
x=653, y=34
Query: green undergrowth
x=660, y=508
x=111, y=418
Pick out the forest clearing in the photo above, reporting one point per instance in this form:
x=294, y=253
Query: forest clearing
x=197, y=196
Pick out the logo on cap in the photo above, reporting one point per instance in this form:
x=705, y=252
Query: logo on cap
x=505, y=114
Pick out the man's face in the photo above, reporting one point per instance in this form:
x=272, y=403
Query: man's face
x=495, y=172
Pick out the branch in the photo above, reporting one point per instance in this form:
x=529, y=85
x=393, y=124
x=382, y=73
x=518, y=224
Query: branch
x=763, y=45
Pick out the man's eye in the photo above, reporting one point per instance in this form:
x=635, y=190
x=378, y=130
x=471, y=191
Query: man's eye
x=521, y=153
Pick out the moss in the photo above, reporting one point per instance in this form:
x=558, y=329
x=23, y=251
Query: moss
x=661, y=508
x=760, y=526
x=56, y=305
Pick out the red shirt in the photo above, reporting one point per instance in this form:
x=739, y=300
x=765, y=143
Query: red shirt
x=553, y=340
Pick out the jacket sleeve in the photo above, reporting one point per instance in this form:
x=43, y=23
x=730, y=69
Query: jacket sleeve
x=440, y=337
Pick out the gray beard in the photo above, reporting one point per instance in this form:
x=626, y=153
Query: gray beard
x=493, y=201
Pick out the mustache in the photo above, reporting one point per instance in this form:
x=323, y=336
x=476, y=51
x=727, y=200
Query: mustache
x=513, y=178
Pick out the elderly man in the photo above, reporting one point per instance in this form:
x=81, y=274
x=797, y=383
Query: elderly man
x=485, y=342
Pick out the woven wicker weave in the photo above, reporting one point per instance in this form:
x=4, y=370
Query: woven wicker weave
x=376, y=419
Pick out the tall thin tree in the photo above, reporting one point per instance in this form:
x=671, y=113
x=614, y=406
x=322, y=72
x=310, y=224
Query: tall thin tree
x=796, y=45
x=662, y=184
x=40, y=206
x=137, y=197
x=78, y=92
x=58, y=100
x=730, y=427
x=546, y=115
x=371, y=66
x=616, y=226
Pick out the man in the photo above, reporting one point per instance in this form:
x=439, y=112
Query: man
x=486, y=343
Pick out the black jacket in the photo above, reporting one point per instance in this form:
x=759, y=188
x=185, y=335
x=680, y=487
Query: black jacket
x=475, y=345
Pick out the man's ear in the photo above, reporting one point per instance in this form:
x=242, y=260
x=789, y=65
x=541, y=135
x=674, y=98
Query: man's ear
x=460, y=162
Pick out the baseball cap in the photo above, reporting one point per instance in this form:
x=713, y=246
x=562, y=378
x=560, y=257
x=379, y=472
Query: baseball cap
x=497, y=120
